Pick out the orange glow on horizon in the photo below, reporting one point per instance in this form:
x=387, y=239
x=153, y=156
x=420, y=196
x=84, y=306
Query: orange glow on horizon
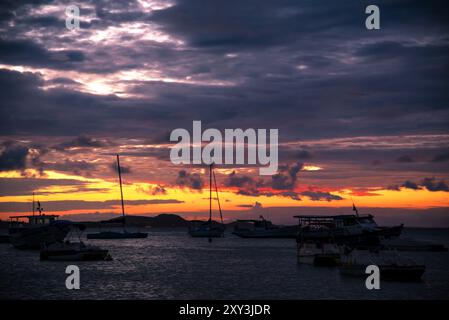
x=179, y=200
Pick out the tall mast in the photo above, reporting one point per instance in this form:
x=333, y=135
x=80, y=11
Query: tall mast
x=218, y=199
x=33, y=204
x=210, y=193
x=121, y=190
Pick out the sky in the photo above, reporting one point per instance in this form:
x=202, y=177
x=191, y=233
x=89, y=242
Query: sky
x=363, y=115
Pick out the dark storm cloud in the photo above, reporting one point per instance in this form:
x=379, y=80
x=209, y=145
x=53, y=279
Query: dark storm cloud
x=282, y=184
x=189, y=180
x=158, y=189
x=153, y=190
x=234, y=180
x=13, y=156
x=28, y=110
x=287, y=177
x=245, y=185
x=410, y=185
x=320, y=195
x=430, y=184
x=123, y=169
x=303, y=154
x=235, y=24
x=21, y=52
x=308, y=68
x=26, y=186
x=8, y=7
x=82, y=141
x=19, y=156
x=77, y=167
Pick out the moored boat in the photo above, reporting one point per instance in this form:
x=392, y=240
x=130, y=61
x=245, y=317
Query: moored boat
x=39, y=229
x=263, y=229
x=124, y=234
x=209, y=229
x=355, y=230
x=73, y=251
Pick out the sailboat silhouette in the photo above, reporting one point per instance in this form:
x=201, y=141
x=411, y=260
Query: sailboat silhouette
x=114, y=234
x=209, y=229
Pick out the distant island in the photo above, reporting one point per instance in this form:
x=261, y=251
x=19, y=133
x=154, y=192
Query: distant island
x=160, y=221
x=164, y=220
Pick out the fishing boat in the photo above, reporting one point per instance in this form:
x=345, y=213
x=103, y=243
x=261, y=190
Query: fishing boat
x=38, y=229
x=391, y=266
x=30, y=231
x=263, y=228
x=124, y=234
x=209, y=229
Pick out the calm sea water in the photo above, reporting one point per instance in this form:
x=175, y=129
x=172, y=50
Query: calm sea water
x=171, y=265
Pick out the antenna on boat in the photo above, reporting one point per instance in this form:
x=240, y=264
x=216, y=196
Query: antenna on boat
x=121, y=190
x=39, y=208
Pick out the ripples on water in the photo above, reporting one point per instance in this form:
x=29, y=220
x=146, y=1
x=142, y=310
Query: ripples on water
x=171, y=265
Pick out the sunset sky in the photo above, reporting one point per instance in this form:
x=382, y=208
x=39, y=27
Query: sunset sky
x=363, y=115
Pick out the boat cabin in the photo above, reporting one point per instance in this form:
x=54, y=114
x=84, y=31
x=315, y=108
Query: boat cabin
x=41, y=219
x=254, y=224
x=338, y=221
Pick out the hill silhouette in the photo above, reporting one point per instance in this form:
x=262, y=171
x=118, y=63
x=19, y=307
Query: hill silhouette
x=160, y=221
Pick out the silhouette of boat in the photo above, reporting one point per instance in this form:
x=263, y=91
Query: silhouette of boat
x=263, y=229
x=115, y=234
x=357, y=230
x=73, y=251
x=209, y=229
x=38, y=229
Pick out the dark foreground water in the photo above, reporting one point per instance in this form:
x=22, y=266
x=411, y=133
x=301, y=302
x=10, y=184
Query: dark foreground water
x=171, y=265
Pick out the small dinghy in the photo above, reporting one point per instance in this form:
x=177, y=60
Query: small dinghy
x=391, y=266
x=73, y=251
